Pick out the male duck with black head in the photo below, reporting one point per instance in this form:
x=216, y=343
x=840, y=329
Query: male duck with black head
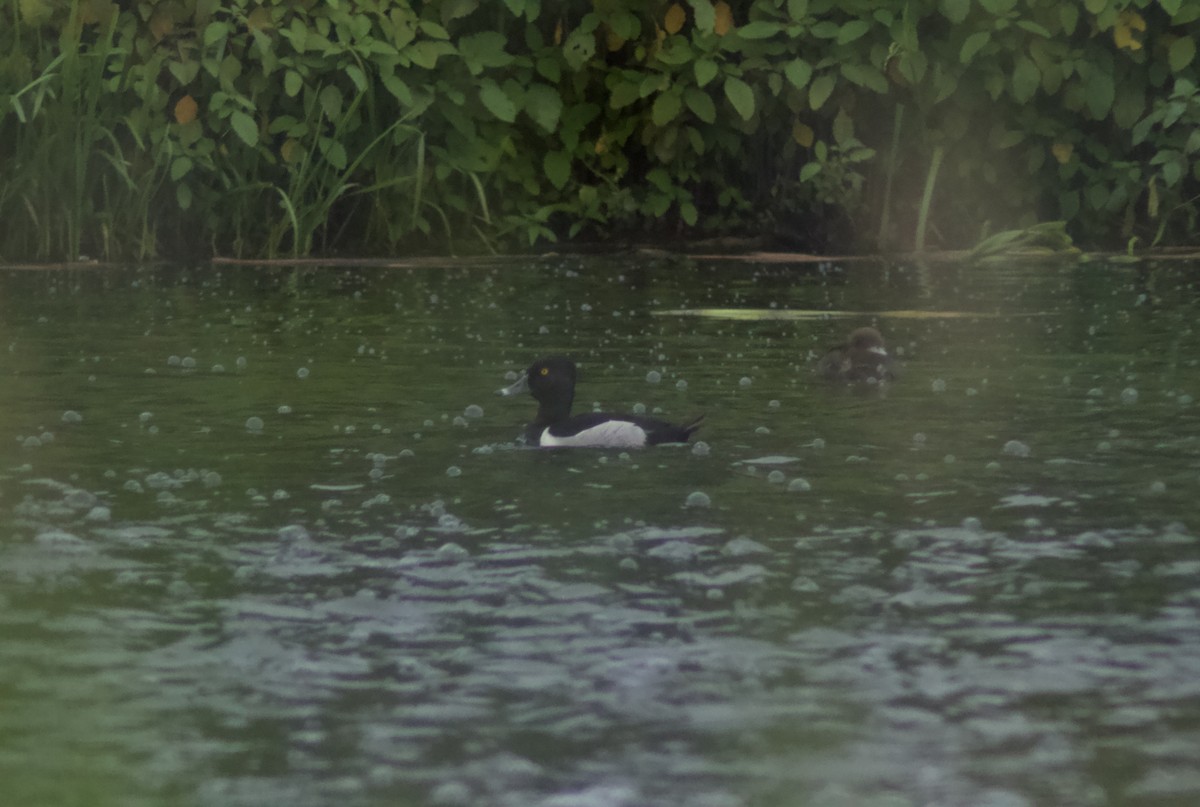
x=862, y=358
x=551, y=381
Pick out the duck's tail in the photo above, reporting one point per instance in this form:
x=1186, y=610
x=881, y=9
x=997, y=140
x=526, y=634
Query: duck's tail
x=692, y=426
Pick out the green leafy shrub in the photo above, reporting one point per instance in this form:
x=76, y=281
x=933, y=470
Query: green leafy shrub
x=188, y=127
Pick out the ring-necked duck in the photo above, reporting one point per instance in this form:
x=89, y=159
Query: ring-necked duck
x=551, y=381
x=862, y=358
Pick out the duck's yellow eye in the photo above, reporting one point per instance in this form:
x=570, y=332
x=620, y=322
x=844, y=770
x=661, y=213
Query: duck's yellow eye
x=544, y=371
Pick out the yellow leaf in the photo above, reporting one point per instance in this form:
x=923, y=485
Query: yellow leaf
x=35, y=12
x=1152, y=199
x=161, y=24
x=1127, y=23
x=674, y=19
x=1062, y=152
x=291, y=150
x=613, y=40
x=95, y=12
x=601, y=144
x=558, y=33
x=260, y=20
x=802, y=133
x=724, y=18
x=186, y=109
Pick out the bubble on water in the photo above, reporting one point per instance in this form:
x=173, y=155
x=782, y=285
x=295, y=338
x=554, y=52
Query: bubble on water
x=283, y=409
x=628, y=565
x=1129, y=395
x=483, y=450
x=543, y=330
x=375, y=474
x=972, y=524
x=254, y=423
x=681, y=384
x=762, y=430
x=79, y=499
x=639, y=409
x=173, y=361
x=938, y=385
x=773, y=404
x=145, y=417
x=919, y=439
x=776, y=477
x=211, y=479
x=406, y=452
x=218, y=368
x=1015, y=448
x=818, y=443
x=700, y=448
x=188, y=363
x=971, y=391
x=949, y=459
x=1157, y=488
x=1095, y=392
x=473, y=411
x=281, y=495
x=992, y=466
x=302, y=372
x=71, y=416
x=799, y=485
x=698, y=498
x=459, y=420
x=715, y=594
x=293, y=533
x=454, y=470
x=805, y=585
x=99, y=513
x=1184, y=400
x=46, y=437
x=653, y=377
x=241, y=362
x=133, y=486
x=745, y=381
x=1104, y=445
x=31, y=442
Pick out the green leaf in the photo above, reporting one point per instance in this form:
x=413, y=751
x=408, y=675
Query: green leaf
x=215, y=32
x=759, y=29
x=706, y=70
x=515, y=6
x=330, y=99
x=855, y=29
x=396, y=86
x=292, y=83
x=999, y=7
x=741, y=96
x=244, y=127
x=1095, y=6
x=484, y=50
x=623, y=95
x=557, y=165
x=809, y=171
x=864, y=75
x=843, y=128
x=1026, y=79
x=544, y=105
x=357, y=76
x=820, y=90
x=1181, y=53
x=1068, y=17
x=798, y=72
x=180, y=167
x=1099, y=93
x=1033, y=28
x=704, y=14
x=666, y=108
x=689, y=214
x=956, y=10
x=972, y=44
x=579, y=48
x=701, y=104
x=183, y=196
x=797, y=9
x=1171, y=6
x=497, y=101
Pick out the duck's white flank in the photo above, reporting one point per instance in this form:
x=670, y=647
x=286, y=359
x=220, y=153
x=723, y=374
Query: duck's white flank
x=610, y=434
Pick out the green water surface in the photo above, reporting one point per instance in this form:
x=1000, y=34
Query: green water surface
x=266, y=538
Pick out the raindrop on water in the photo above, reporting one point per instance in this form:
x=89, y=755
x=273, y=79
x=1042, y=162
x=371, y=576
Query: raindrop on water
x=71, y=416
x=776, y=477
x=254, y=423
x=473, y=411
x=700, y=448
x=799, y=485
x=302, y=372
x=698, y=498
x=454, y=470
x=653, y=377
x=938, y=385
x=1015, y=448
x=1129, y=395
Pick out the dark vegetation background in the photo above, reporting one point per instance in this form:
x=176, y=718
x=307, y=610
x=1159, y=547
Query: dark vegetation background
x=187, y=128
